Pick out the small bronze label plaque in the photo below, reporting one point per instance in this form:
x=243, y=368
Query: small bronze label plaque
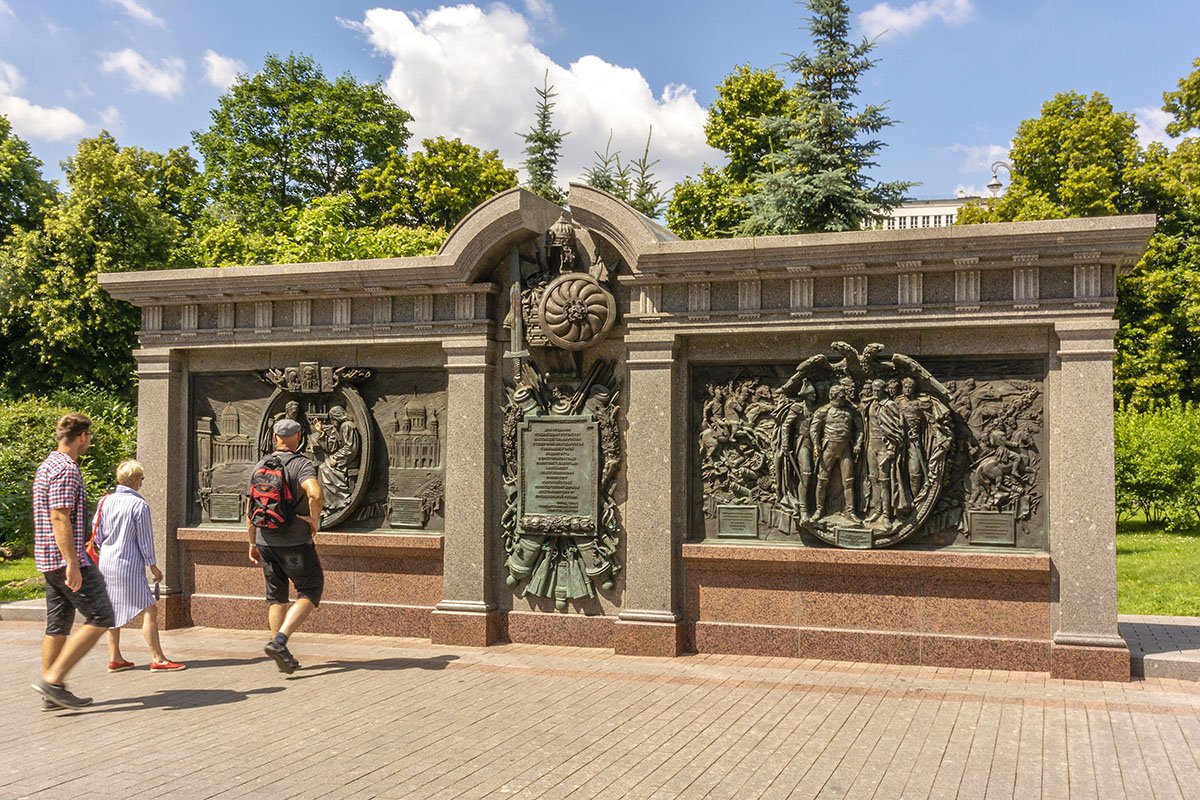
x=225, y=507
x=992, y=527
x=559, y=471
x=854, y=538
x=405, y=512
x=737, y=522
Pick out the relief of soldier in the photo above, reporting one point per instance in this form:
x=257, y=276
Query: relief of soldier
x=870, y=442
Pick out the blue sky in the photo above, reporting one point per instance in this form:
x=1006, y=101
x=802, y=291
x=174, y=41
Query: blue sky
x=959, y=75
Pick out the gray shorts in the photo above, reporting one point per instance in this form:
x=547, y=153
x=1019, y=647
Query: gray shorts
x=91, y=601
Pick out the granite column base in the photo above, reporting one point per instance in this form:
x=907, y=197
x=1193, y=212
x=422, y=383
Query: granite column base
x=1086, y=663
x=661, y=639
x=465, y=628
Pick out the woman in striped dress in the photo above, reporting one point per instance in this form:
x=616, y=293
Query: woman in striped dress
x=122, y=533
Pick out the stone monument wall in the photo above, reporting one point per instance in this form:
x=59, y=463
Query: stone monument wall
x=572, y=428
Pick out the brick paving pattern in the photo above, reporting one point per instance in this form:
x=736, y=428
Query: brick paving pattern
x=1163, y=647
x=401, y=718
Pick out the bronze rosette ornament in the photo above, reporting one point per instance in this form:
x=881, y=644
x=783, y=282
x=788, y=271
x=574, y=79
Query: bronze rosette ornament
x=576, y=311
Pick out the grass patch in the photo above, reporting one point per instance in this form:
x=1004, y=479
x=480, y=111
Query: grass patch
x=1157, y=572
x=20, y=580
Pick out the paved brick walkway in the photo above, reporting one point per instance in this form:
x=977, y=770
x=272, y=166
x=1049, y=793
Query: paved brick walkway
x=1163, y=647
x=371, y=717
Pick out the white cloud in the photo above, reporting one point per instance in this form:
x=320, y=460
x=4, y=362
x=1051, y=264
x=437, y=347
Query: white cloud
x=6, y=9
x=540, y=9
x=1152, y=125
x=221, y=71
x=110, y=117
x=883, y=20
x=165, y=80
x=468, y=72
x=30, y=120
x=977, y=159
x=10, y=78
x=139, y=12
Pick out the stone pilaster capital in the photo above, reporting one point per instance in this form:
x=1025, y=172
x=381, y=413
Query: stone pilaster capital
x=1085, y=339
x=470, y=354
x=651, y=350
x=157, y=363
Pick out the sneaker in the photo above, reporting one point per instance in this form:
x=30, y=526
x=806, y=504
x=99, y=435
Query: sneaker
x=283, y=657
x=119, y=666
x=48, y=706
x=59, y=696
x=166, y=666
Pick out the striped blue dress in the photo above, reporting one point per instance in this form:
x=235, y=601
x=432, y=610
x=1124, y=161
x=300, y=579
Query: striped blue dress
x=122, y=526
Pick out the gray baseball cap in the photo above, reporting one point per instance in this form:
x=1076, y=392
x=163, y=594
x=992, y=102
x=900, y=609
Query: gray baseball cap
x=286, y=427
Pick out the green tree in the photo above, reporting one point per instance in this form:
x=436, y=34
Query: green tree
x=817, y=178
x=58, y=326
x=1081, y=158
x=1075, y=160
x=1184, y=103
x=543, y=145
x=23, y=192
x=325, y=229
x=288, y=134
x=633, y=182
x=434, y=187
x=707, y=206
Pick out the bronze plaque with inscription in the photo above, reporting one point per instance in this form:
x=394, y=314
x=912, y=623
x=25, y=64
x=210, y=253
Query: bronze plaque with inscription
x=992, y=527
x=558, y=475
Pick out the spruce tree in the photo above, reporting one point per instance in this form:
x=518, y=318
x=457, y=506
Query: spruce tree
x=542, y=145
x=816, y=180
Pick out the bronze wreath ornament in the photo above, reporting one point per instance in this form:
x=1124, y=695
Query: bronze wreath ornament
x=576, y=311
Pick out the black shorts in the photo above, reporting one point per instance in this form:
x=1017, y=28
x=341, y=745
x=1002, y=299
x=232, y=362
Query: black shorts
x=91, y=601
x=299, y=564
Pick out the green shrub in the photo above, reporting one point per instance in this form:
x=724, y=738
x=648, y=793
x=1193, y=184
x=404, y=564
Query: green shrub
x=27, y=435
x=1158, y=464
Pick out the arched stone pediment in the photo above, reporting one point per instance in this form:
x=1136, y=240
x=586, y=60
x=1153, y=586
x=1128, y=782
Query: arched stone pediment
x=629, y=232
x=492, y=227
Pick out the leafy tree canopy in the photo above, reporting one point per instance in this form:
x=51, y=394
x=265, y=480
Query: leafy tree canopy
x=1081, y=158
x=436, y=186
x=59, y=326
x=707, y=206
x=288, y=134
x=23, y=192
x=817, y=178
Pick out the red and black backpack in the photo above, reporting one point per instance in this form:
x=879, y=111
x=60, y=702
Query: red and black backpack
x=270, y=495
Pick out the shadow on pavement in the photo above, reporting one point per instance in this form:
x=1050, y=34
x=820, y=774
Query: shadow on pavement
x=175, y=700
x=339, y=667
x=202, y=663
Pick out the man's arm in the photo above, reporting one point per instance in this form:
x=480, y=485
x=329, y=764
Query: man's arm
x=250, y=532
x=64, y=537
x=316, y=503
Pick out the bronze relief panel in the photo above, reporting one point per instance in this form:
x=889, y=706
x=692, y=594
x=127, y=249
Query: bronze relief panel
x=870, y=449
x=376, y=437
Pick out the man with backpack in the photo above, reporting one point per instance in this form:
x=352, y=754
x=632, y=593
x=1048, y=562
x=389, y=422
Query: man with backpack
x=284, y=504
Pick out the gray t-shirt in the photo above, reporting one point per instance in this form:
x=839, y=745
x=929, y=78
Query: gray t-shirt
x=298, y=469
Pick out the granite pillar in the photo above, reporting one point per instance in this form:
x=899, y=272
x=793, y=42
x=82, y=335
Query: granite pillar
x=649, y=623
x=467, y=613
x=1081, y=504
x=163, y=452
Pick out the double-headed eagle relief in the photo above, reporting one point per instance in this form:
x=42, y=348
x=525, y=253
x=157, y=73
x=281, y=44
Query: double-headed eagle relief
x=869, y=449
x=562, y=447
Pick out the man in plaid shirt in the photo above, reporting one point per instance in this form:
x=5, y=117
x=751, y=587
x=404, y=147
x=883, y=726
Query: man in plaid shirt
x=73, y=582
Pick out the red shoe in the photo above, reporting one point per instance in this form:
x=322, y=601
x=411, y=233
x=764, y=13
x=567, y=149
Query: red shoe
x=119, y=666
x=165, y=666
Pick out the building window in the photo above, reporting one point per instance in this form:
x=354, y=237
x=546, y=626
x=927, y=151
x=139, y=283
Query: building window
x=891, y=223
x=903, y=223
x=949, y=219
x=925, y=221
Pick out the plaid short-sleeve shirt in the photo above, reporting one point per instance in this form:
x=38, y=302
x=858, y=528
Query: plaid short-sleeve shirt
x=58, y=483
